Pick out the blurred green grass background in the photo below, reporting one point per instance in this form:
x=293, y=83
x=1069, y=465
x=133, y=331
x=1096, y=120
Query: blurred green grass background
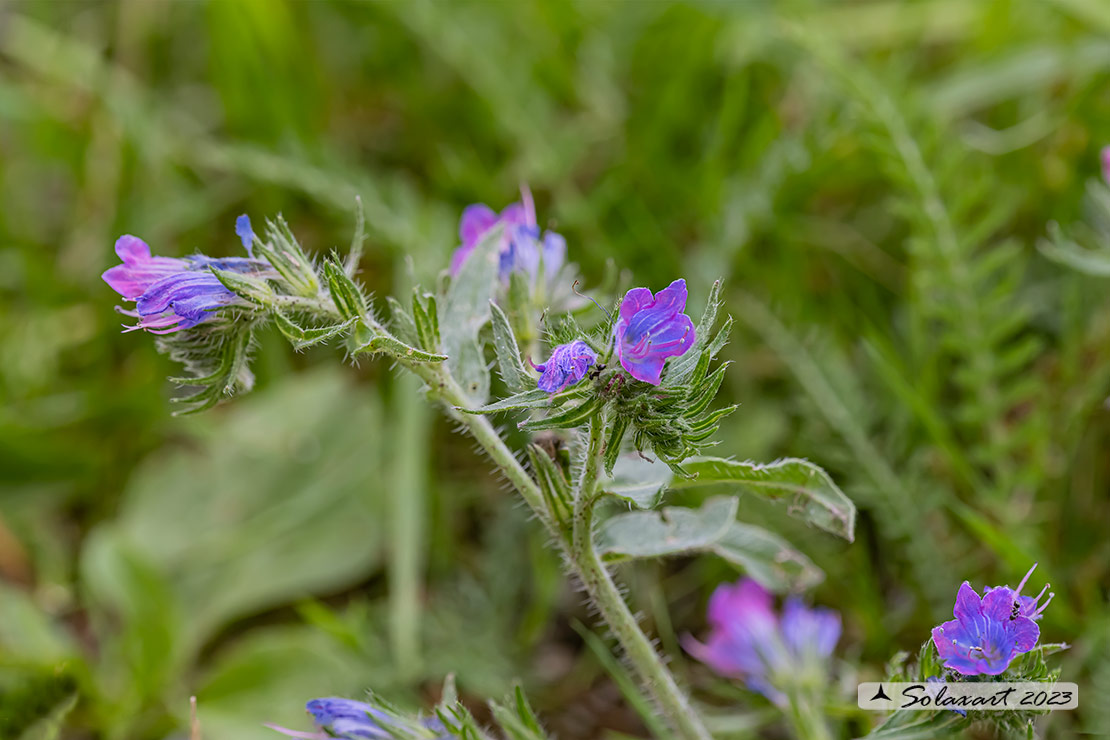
x=870, y=178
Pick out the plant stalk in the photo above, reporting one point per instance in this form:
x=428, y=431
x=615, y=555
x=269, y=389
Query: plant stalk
x=583, y=558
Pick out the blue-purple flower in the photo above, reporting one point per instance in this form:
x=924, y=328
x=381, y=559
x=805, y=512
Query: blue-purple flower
x=172, y=294
x=568, y=364
x=749, y=641
x=651, y=328
x=355, y=720
x=522, y=247
x=987, y=633
x=1104, y=159
x=1027, y=606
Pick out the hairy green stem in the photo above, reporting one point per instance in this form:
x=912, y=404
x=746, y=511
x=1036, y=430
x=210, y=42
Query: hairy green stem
x=638, y=649
x=583, y=558
x=605, y=594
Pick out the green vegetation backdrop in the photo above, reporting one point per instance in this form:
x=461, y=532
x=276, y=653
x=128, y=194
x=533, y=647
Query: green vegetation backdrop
x=871, y=179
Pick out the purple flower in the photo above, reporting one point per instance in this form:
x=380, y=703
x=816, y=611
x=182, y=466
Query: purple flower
x=353, y=720
x=651, y=329
x=522, y=247
x=1028, y=606
x=171, y=294
x=987, y=633
x=567, y=365
x=749, y=641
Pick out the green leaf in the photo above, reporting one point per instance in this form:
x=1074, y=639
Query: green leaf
x=426, y=318
x=391, y=345
x=268, y=672
x=463, y=313
x=637, y=480
x=28, y=633
x=516, y=718
x=907, y=725
x=811, y=493
x=302, y=338
x=574, y=416
x=403, y=324
x=532, y=399
x=767, y=558
x=673, y=531
x=513, y=372
x=298, y=462
x=613, y=443
x=552, y=481
x=345, y=293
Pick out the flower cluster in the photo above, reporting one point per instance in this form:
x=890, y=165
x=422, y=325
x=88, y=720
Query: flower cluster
x=750, y=641
x=988, y=632
x=172, y=294
x=522, y=247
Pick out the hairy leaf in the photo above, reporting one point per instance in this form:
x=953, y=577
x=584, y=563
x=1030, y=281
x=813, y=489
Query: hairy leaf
x=811, y=493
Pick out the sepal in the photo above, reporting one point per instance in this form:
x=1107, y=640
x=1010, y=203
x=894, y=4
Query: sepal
x=285, y=255
x=252, y=289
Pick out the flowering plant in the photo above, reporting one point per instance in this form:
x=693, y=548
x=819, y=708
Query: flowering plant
x=620, y=393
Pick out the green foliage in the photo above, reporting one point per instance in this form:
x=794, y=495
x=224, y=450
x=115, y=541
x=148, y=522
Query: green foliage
x=712, y=528
x=464, y=310
x=842, y=166
x=811, y=494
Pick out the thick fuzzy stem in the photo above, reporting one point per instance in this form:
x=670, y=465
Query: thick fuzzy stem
x=583, y=558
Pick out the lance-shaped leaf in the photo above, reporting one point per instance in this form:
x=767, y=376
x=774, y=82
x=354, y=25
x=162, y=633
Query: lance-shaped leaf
x=301, y=338
x=426, y=317
x=516, y=718
x=767, y=558
x=379, y=342
x=514, y=374
x=575, y=416
x=532, y=399
x=553, y=482
x=637, y=480
x=809, y=491
x=673, y=531
x=463, y=313
x=345, y=293
x=613, y=443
